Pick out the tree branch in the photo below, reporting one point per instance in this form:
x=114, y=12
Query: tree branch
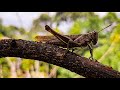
x=54, y=55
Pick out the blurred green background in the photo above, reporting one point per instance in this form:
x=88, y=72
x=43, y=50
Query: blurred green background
x=106, y=52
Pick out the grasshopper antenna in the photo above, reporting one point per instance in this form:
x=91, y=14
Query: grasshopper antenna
x=106, y=27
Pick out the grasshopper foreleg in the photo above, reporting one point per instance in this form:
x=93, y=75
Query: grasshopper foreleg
x=91, y=51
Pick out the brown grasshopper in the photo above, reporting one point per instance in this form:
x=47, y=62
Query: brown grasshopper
x=71, y=41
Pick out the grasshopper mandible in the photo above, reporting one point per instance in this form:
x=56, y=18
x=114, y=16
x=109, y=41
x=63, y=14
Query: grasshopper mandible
x=71, y=41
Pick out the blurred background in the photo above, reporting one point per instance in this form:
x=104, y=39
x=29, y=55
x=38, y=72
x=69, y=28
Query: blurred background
x=27, y=25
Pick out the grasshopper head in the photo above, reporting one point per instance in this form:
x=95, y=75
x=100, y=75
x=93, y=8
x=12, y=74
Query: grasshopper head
x=94, y=36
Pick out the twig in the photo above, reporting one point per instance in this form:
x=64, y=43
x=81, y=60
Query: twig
x=54, y=55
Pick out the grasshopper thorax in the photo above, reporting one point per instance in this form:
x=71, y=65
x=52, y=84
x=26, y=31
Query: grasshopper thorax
x=94, y=36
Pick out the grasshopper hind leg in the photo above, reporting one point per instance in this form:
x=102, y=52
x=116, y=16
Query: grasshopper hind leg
x=67, y=49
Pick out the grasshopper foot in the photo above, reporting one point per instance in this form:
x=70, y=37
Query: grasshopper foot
x=73, y=50
x=64, y=55
x=91, y=58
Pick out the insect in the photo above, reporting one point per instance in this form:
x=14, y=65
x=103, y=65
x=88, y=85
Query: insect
x=71, y=41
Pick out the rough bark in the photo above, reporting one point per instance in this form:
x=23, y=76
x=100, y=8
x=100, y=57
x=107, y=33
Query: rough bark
x=55, y=55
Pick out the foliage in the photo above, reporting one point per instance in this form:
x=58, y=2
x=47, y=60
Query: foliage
x=107, y=51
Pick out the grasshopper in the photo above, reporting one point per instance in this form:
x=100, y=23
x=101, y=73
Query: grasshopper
x=71, y=41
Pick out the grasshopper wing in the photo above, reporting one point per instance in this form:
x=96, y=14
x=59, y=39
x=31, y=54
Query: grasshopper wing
x=44, y=38
x=53, y=39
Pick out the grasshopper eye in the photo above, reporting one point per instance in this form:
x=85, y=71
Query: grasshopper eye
x=94, y=32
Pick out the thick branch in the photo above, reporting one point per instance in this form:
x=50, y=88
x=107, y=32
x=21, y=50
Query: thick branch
x=55, y=55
